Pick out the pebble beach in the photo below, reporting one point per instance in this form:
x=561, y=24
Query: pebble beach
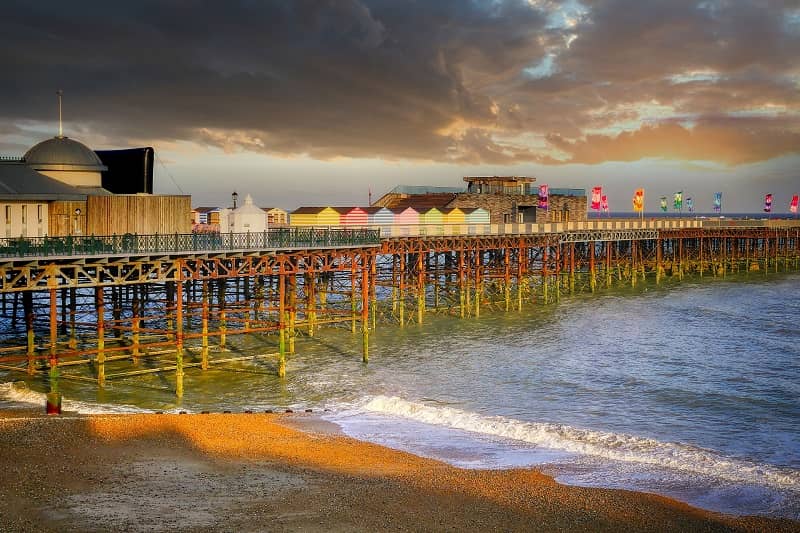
x=288, y=472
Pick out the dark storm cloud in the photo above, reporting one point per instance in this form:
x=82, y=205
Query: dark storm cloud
x=335, y=78
x=440, y=80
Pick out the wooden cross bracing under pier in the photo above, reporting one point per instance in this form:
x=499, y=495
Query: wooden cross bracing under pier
x=124, y=316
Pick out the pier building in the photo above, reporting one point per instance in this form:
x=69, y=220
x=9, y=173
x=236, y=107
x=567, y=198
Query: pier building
x=507, y=199
x=56, y=189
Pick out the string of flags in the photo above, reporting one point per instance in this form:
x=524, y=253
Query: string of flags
x=599, y=201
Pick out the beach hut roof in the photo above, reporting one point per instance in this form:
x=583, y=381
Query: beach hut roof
x=398, y=210
x=345, y=210
x=421, y=201
x=308, y=210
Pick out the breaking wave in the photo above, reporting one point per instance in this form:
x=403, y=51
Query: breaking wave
x=613, y=446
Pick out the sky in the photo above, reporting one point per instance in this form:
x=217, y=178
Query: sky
x=319, y=102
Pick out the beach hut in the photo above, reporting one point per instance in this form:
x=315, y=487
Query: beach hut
x=476, y=215
x=453, y=216
x=379, y=216
x=407, y=215
x=432, y=216
x=352, y=216
x=314, y=216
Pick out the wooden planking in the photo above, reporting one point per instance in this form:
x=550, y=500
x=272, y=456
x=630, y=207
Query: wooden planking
x=62, y=220
x=138, y=213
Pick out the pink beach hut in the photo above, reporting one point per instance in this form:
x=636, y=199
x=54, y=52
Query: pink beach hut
x=407, y=215
x=352, y=216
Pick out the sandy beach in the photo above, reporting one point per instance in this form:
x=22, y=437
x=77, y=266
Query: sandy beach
x=270, y=472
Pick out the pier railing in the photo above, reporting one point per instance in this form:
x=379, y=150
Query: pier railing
x=133, y=244
x=296, y=237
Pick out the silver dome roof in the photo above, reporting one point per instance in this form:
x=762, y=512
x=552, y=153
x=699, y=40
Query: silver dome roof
x=63, y=153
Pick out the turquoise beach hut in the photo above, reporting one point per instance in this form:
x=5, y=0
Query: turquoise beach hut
x=379, y=216
x=475, y=215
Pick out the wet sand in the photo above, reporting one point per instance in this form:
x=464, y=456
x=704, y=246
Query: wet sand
x=259, y=472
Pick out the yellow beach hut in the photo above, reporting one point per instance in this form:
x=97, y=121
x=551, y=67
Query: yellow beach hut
x=453, y=216
x=314, y=216
x=430, y=216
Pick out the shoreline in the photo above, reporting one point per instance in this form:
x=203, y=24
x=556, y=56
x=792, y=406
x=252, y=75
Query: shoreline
x=279, y=472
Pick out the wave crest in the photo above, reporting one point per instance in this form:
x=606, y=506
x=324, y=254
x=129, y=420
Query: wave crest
x=614, y=446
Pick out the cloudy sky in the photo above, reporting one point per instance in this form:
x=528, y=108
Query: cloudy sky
x=307, y=102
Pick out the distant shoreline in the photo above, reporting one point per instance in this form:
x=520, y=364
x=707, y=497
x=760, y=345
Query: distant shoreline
x=255, y=472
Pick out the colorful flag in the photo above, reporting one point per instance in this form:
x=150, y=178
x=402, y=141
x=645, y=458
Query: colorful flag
x=663, y=203
x=597, y=192
x=768, y=203
x=678, y=200
x=690, y=204
x=793, y=205
x=638, y=200
x=604, y=203
x=544, y=192
x=717, y=202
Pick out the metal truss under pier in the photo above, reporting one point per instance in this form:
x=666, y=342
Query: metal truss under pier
x=127, y=313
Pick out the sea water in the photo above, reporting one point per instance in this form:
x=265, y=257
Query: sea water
x=690, y=391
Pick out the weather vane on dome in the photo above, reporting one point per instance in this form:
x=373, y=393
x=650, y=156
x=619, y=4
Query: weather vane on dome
x=60, y=93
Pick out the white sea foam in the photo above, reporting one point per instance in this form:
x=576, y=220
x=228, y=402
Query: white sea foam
x=613, y=446
x=18, y=393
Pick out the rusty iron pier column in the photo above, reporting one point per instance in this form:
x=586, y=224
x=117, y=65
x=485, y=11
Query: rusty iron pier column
x=402, y=290
x=521, y=255
x=353, y=307
x=462, y=297
x=365, y=293
x=292, y=295
x=101, y=340
x=223, y=319
x=204, y=327
x=73, y=311
x=281, y=321
x=27, y=309
x=53, y=402
x=478, y=284
x=572, y=268
x=420, y=287
x=507, y=278
x=544, y=274
x=659, y=258
x=311, y=299
x=178, y=330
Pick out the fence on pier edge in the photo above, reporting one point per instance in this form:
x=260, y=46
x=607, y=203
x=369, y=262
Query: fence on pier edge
x=101, y=316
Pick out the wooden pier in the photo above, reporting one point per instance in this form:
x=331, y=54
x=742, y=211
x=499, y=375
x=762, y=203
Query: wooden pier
x=129, y=305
